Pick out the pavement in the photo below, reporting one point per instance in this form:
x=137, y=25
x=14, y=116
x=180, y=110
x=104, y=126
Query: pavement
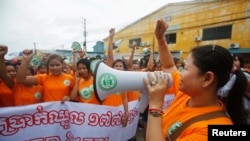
x=141, y=131
x=140, y=134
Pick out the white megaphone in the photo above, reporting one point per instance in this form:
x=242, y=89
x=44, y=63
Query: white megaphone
x=109, y=81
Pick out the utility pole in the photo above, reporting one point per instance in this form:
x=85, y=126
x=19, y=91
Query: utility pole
x=35, y=48
x=84, y=33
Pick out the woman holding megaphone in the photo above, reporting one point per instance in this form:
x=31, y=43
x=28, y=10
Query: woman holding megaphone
x=196, y=104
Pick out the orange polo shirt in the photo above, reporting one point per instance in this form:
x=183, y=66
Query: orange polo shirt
x=114, y=99
x=178, y=111
x=86, y=91
x=133, y=95
x=6, y=95
x=25, y=95
x=55, y=87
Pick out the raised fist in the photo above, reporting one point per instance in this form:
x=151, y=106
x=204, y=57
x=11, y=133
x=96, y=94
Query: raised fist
x=27, y=54
x=3, y=50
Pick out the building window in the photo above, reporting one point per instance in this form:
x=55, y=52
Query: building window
x=168, y=18
x=137, y=40
x=222, y=32
x=171, y=38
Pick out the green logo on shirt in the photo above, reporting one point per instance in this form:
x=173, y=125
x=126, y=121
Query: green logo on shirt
x=38, y=95
x=66, y=82
x=107, y=81
x=86, y=93
x=174, y=127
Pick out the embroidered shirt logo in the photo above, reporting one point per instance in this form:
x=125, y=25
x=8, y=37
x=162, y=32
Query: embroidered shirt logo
x=86, y=93
x=38, y=95
x=66, y=82
x=174, y=127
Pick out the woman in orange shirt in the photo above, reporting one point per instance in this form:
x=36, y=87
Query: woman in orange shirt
x=84, y=83
x=42, y=69
x=6, y=82
x=133, y=65
x=11, y=71
x=207, y=69
x=57, y=85
x=27, y=94
x=67, y=68
x=119, y=98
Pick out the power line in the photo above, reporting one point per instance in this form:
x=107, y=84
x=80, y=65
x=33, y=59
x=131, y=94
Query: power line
x=84, y=33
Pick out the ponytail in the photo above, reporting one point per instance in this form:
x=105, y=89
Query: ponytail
x=234, y=100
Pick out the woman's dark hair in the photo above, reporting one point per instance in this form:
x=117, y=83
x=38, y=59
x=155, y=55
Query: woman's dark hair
x=42, y=64
x=176, y=60
x=240, y=58
x=156, y=63
x=234, y=100
x=136, y=62
x=85, y=62
x=218, y=60
x=215, y=59
x=9, y=64
x=92, y=59
x=142, y=63
x=122, y=61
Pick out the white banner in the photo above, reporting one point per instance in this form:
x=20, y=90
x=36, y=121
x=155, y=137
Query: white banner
x=53, y=121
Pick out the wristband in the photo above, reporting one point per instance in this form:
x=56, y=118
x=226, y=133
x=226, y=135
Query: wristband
x=155, y=112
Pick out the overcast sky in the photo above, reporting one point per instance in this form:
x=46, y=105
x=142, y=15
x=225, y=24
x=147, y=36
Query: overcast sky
x=55, y=24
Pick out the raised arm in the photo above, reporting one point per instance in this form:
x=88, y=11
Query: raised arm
x=74, y=60
x=125, y=106
x=150, y=64
x=156, y=93
x=164, y=53
x=82, y=53
x=157, y=87
x=131, y=57
x=22, y=71
x=74, y=91
x=9, y=82
x=110, y=58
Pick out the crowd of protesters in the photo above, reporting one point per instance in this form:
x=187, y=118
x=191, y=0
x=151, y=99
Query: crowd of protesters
x=209, y=75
